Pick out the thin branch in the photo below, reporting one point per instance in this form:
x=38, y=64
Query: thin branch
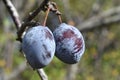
x=13, y=12
x=42, y=74
x=54, y=8
x=107, y=17
x=31, y=16
x=21, y=68
x=35, y=13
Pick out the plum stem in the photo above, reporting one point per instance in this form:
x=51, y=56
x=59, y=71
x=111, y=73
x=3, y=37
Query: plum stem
x=46, y=16
x=60, y=19
x=57, y=11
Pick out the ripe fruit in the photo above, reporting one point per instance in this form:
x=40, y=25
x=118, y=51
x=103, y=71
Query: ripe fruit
x=70, y=44
x=38, y=46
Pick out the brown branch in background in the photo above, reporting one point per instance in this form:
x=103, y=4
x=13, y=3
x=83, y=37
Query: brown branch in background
x=104, y=18
x=13, y=12
x=21, y=28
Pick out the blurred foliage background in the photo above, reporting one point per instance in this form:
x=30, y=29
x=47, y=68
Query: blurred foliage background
x=98, y=20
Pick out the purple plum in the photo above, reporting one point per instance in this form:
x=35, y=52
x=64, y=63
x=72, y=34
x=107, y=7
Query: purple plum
x=38, y=45
x=70, y=44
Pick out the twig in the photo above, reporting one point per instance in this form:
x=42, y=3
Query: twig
x=55, y=8
x=42, y=74
x=104, y=18
x=30, y=17
x=13, y=12
x=21, y=27
x=21, y=68
x=35, y=13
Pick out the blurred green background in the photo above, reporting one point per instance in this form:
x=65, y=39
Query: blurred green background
x=99, y=22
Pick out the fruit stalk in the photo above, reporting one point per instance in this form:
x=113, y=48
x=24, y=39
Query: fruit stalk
x=58, y=13
x=31, y=16
x=59, y=17
x=47, y=12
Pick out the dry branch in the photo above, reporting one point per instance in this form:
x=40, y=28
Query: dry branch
x=107, y=17
x=42, y=74
x=13, y=12
x=31, y=16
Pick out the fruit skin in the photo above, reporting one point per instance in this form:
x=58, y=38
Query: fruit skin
x=70, y=44
x=38, y=46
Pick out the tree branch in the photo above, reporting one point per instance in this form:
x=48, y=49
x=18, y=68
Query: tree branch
x=13, y=12
x=21, y=68
x=104, y=18
x=42, y=74
x=35, y=13
x=30, y=17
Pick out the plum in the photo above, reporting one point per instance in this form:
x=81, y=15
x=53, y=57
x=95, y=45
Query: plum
x=38, y=45
x=70, y=44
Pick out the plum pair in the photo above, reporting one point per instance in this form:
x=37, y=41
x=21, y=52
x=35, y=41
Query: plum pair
x=39, y=45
